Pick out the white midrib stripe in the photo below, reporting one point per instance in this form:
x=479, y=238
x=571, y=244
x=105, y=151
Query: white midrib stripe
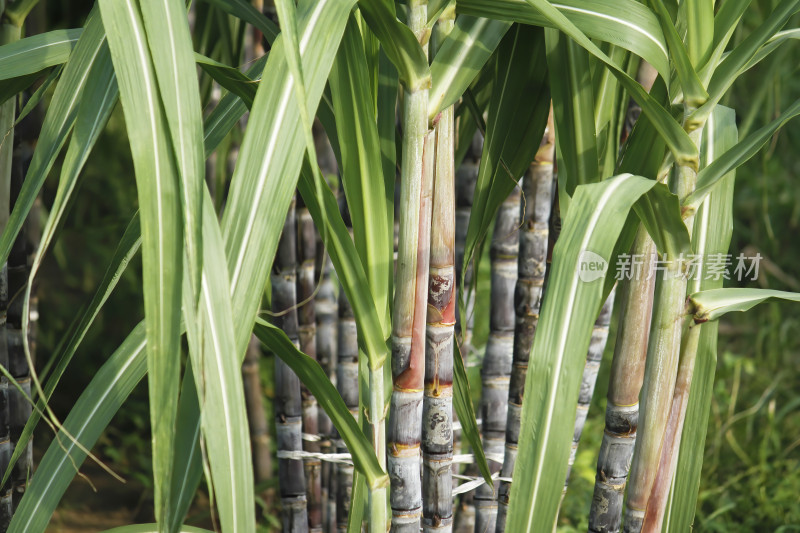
x=185, y=164
x=77, y=434
x=615, y=19
x=223, y=388
x=148, y=83
x=273, y=140
x=562, y=339
x=46, y=45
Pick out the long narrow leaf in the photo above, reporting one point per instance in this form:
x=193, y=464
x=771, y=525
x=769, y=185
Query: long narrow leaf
x=461, y=57
x=571, y=303
x=362, y=168
x=714, y=303
x=34, y=54
x=314, y=377
x=57, y=124
x=170, y=42
x=162, y=228
x=624, y=23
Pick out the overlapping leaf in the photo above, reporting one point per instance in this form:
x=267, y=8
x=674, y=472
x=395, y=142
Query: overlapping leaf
x=158, y=188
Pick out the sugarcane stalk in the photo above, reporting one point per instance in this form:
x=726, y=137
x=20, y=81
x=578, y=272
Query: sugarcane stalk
x=327, y=324
x=288, y=399
x=625, y=383
x=537, y=192
x=256, y=415
x=5, y=441
x=466, y=178
x=663, y=355
x=307, y=330
x=656, y=506
x=8, y=34
x=347, y=384
x=410, y=298
x=326, y=318
x=437, y=415
x=497, y=362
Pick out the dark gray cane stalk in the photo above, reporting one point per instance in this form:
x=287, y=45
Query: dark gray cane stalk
x=5, y=441
x=18, y=366
x=8, y=34
x=466, y=178
x=625, y=383
x=307, y=330
x=288, y=400
x=256, y=415
x=327, y=335
x=497, y=362
x=347, y=384
x=537, y=193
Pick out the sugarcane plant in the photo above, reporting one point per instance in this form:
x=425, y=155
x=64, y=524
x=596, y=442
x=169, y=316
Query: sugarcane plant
x=397, y=89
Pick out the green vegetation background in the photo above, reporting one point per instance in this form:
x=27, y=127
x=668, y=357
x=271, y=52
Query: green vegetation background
x=751, y=473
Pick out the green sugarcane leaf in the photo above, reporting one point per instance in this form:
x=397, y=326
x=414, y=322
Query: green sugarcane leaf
x=187, y=468
x=462, y=403
x=36, y=97
x=314, y=377
x=157, y=183
x=170, y=41
x=153, y=528
x=460, y=58
x=271, y=156
x=714, y=303
x=398, y=41
x=708, y=177
x=725, y=23
x=57, y=124
x=229, y=110
x=580, y=259
x=727, y=19
x=573, y=112
x=387, y=105
x=348, y=265
x=435, y=9
x=100, y=97
x=713, y=226
x=14, y=86
x=220, y=390
x=245, y=11
x=355, y=519
x=261, y=188
x=693, y=92
x=676, y=138
x=518, y=110
x=362, y=168
x=772, y=45
x=660, y=211
x=699, y=16
x=728, y=70
x=88, y=417
x=624, y=23
x=32, y=55
x=230, y=78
